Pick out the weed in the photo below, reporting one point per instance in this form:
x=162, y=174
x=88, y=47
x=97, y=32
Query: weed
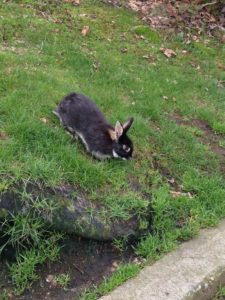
x=220, y=294
x=120, y=244
x=222, y=143
x=123, y=273
x=63, y=280
x=23, y=271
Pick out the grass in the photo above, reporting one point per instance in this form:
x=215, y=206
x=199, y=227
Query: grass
x=62, y=280
x=23, y=271
x=220, y=293
x=43, y=57
x=123, y=273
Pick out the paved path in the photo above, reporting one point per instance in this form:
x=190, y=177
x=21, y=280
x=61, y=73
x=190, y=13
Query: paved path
x=192, y=272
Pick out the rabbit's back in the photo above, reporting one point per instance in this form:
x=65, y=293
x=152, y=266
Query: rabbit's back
x=79, y=111
x=80, y=116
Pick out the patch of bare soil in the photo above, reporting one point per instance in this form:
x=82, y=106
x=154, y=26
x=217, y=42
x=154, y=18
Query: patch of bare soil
x=87, y=262
x=176, y=189
x=184, y=15
x=209, y=137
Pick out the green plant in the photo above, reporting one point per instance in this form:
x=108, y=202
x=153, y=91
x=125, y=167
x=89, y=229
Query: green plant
x=33, y=241
x=120, y=244
x=22, y=231
x=4, y=295
x=123, y=273
x=23, y=271
x=222, y=143
x=220, y=295
x=63, y=280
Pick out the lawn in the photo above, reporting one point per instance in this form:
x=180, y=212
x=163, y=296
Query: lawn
x=178, y=167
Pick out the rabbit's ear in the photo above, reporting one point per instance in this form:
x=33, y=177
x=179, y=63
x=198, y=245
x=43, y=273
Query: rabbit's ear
x=112, y=134
x=127, y=124
x=118, y=130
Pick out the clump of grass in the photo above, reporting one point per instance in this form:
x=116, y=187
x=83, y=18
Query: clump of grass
x=23, y=271
x=222, y=143
x=220, y=295
x=219, y=127
x=123, y=273
x=120, y=244
x=32, y=240
x=195, y=131
x=63, y=280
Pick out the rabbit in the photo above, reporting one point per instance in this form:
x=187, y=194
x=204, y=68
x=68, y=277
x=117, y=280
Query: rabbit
x=82, y=119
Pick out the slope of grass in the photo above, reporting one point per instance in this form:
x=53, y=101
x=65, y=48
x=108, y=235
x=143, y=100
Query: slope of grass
x=119, y=64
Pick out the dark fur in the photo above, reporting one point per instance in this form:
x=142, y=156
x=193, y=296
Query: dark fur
x=78, y=114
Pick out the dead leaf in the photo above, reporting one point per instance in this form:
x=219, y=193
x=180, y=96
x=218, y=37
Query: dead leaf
x=50, y=278
x=124, y=50
x=114, y=266
x=85, y=30
x=178, y=194
x=74, y=2
x=168, y=52
x=3, y=135
x=95, y=65
x=44, y=120
x=221, y=66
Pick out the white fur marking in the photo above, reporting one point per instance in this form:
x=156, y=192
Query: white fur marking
x=82, y=139
x=115, y=154
x=99, y=155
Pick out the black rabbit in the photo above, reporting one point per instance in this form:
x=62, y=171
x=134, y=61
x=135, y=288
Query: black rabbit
x=81, y=118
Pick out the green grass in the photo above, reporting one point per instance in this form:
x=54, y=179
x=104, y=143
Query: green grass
x=123, y=273
x=62, y=280
x=43, y=56
x=23, y=271
x=220, y=293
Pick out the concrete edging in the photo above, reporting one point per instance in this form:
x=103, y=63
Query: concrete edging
x=192, y=272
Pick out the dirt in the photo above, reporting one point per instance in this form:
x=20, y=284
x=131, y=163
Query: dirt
x=189, y=17
x=209, y=137
x=87, y=262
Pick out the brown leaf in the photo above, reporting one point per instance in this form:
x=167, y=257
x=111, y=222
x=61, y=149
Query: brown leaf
x=85, y=30
x=95, y=65
x=178, y=194
x=50, y=278
x=114, y=266
x=124, y=50
x=3, y=135
x=44, y=120
x=168, y=52
x=74, y=2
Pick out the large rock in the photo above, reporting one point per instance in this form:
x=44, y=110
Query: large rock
x=67, y=212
